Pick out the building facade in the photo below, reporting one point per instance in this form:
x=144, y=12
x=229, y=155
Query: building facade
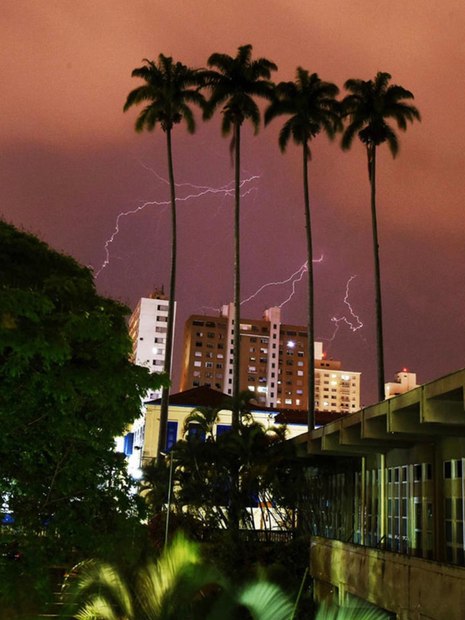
x=274, y=362
x=386, y=503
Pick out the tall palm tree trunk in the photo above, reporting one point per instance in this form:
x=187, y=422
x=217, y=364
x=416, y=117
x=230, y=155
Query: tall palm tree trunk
x=237, y=279
x=170, y=324
x=371, y=152
x=310, y=309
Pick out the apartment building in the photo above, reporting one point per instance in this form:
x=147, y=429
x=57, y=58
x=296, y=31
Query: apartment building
x=147, y=329
x=274, y=362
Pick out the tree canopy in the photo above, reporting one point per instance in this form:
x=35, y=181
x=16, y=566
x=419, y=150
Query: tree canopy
x=67, y=390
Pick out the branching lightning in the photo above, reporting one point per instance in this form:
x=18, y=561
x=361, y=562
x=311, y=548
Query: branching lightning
x=226, y=190
x=294, y=278
x=352, y=321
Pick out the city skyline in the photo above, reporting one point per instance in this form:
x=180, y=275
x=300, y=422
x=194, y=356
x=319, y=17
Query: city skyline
x=72, y=162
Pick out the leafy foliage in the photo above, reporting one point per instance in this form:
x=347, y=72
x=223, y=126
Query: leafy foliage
x=169, y=90
x=234, y=82
x=310, y=103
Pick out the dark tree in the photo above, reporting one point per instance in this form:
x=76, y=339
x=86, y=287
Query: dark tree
x=169, y=90
x=311, y=107
x=368, y=108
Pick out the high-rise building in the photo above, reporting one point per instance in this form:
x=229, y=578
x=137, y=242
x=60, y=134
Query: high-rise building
x=147, y=329
x=274, y=362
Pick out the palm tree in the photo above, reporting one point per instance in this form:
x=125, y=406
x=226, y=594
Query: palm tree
x=169, y=90
x=311, y=106
x=234, y=83
x=368, y=107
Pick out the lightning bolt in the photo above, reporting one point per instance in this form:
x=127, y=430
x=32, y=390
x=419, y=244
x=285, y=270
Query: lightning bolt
x=353, y=321
x=225, y=190
x=294, y=278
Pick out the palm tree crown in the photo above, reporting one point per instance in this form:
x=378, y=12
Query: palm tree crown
x=311, y=105
x=235, y=83
x=169, y=89
x=368, y=106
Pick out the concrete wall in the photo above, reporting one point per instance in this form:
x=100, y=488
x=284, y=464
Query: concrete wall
x=410, y=587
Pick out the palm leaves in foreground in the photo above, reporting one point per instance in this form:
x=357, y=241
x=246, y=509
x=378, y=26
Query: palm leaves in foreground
x=357, y=612
x=178, y=585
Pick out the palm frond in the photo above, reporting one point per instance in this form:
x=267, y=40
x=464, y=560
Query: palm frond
x=265, y=601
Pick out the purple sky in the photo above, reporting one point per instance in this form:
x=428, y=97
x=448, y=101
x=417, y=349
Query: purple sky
x=71, y=161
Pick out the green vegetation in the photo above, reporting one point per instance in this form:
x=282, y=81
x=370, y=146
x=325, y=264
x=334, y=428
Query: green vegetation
x=203, y=471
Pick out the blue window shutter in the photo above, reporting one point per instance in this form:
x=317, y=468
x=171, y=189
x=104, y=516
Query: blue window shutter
x=171, y=435
x=128, y=443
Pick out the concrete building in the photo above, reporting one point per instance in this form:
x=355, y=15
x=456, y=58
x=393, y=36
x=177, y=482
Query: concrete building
x=404, y=382
x=386, y=519
x=274, y=362
x=147, y=329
